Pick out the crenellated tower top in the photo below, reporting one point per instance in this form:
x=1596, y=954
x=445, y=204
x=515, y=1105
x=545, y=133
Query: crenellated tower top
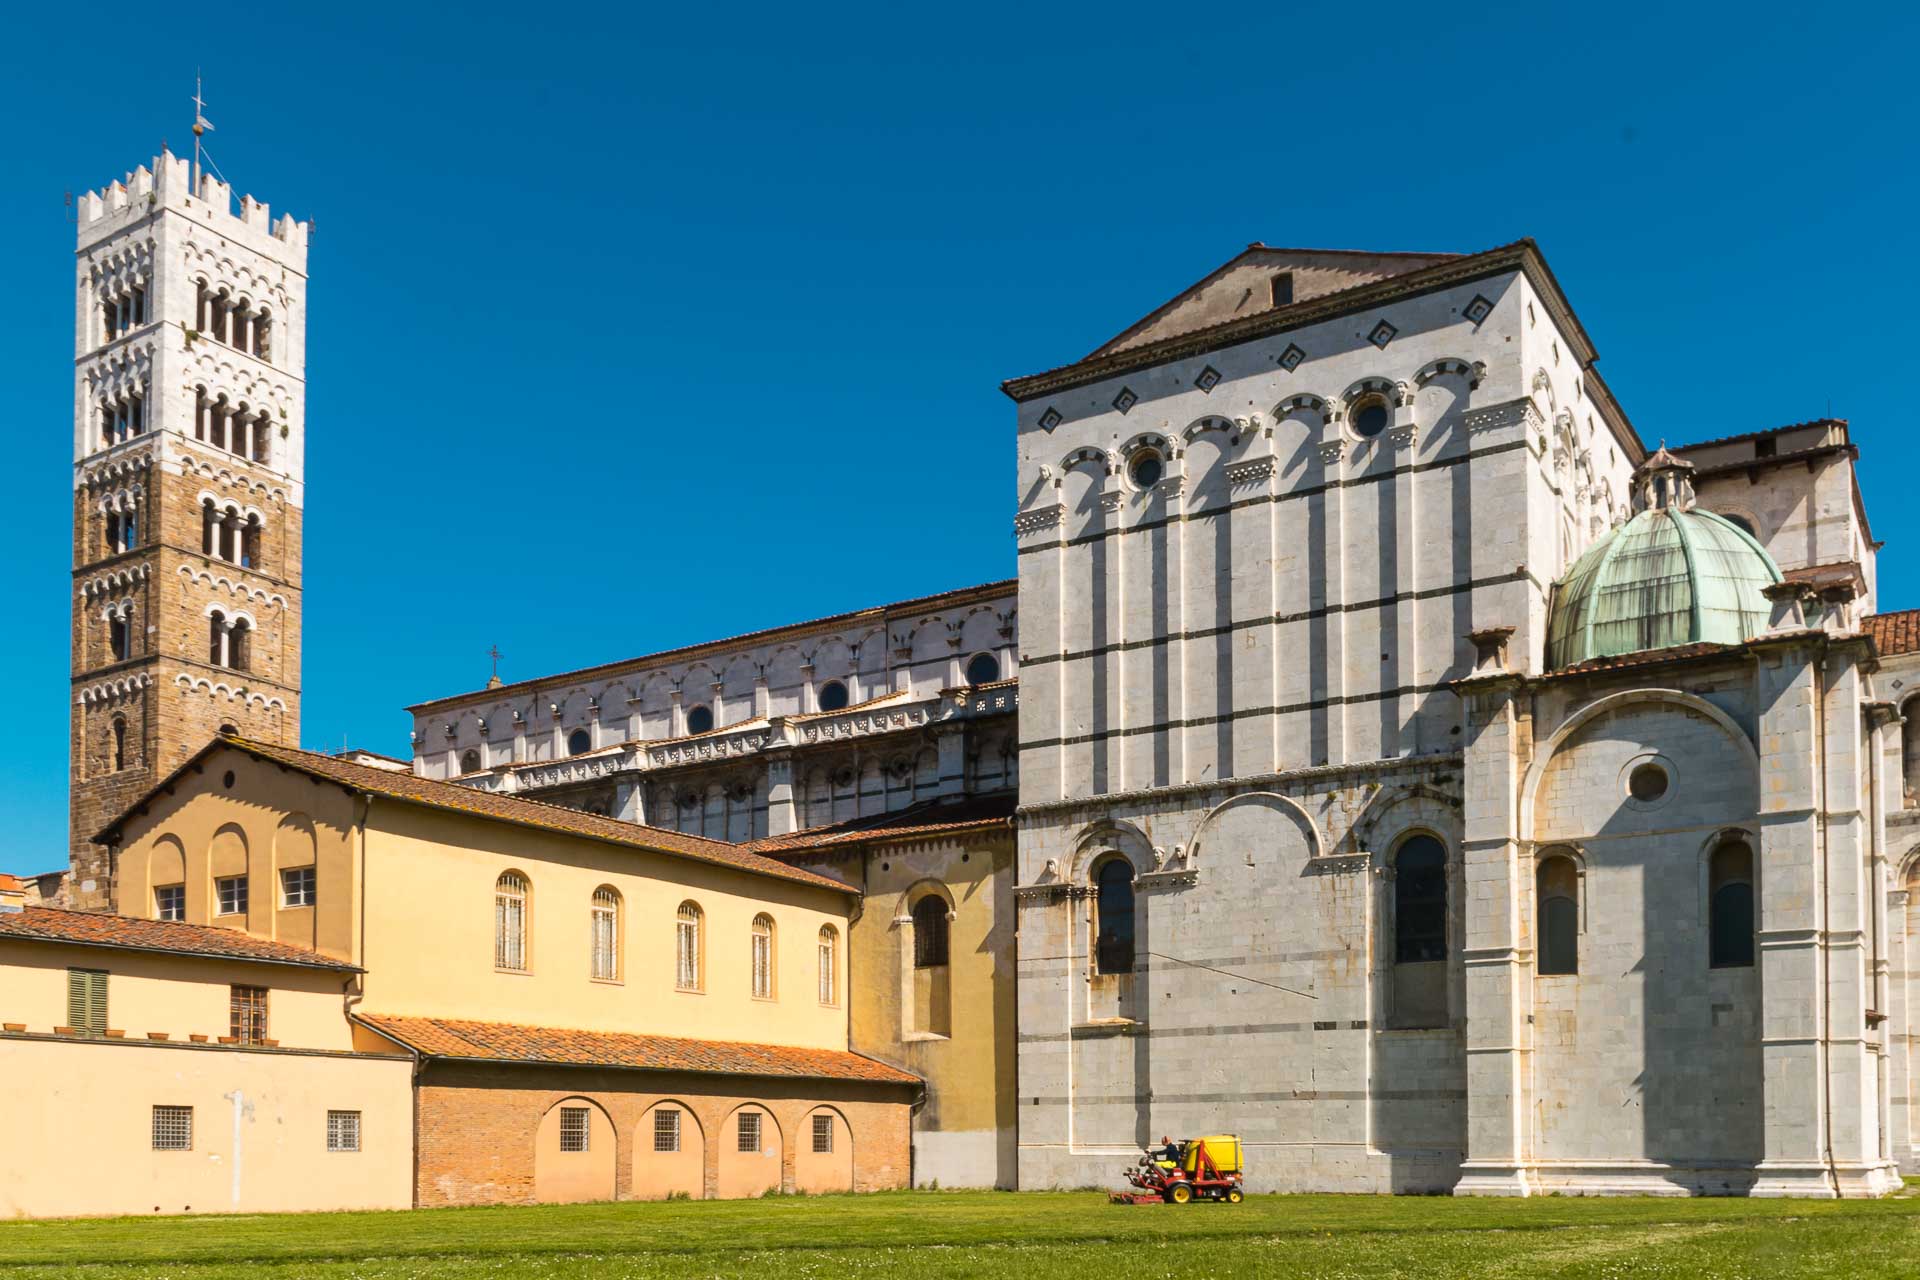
x=168, y=182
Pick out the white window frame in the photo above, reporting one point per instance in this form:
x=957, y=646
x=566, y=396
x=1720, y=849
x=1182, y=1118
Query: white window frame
x=829, y=965
x=605, y=934
x=221, y=896
x=309, y=882
x=687, y=944
x=511, y=893
x=763, y=975
x=161, y=893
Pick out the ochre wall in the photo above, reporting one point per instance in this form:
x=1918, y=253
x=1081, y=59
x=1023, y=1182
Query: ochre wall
x=180, y=995
x=430, y=934
x=269, y=819
x=481, y=1127
x=82, y=1141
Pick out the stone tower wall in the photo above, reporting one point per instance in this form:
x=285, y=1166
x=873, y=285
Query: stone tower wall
x=200, y=282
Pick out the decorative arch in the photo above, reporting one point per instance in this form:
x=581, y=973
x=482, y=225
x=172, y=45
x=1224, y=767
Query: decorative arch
x=1285, y=805
x=1543, y=756
x=1306, y=402
x=1451, y=366
x=1111, y=835
x=754, y=1170
x=1087, y=455
x=669, y=1152
x=574, y=1155
x=823, y=1152
x=1396, y=393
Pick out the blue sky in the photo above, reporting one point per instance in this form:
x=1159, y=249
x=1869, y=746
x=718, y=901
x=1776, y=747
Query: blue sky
x=632, y=328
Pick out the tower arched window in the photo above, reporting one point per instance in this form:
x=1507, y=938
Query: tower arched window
x=829, y=965
x=606, y=934
x=229, y=535
x=579, y=741
x=1420, y=901
x=250, y=543
x=983, y=668
x=1730, y=914
x=119, y=743
x=930, y=932
x=217, y=638
x=511, y=893
x=262, y=438
x=240, y=645
x=833, y=695
x=209, y=527
x=1557, y=901
x=688, y=940
x=1113, y=916
x=763, y=957
x=120, y=633
x=263, y=334
x=470, y=761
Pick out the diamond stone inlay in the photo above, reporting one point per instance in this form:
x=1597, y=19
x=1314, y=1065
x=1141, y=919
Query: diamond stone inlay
x=1290, y=358
x=1479, y=309
x=1209, y=379
x=1125, y=400
x=1382, y=334
x=1050, y=419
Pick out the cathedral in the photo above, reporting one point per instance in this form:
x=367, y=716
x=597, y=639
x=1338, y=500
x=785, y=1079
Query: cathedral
x=1379, y=752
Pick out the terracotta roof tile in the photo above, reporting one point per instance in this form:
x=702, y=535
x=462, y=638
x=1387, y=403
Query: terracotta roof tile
x=514, y=1042
x=935, y=817
x=1897, y=632
x=410, y=789
x=130, y=933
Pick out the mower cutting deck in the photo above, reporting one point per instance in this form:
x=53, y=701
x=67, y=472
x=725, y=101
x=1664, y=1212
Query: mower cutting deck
x=1181, y=1172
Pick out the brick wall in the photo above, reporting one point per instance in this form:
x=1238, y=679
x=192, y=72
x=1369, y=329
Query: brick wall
x=477, y=1125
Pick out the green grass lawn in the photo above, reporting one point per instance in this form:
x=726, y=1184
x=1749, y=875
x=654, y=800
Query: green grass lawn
x=1033, y=1235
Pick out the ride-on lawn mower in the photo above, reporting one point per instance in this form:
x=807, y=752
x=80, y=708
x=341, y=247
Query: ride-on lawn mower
x=1178, y=1172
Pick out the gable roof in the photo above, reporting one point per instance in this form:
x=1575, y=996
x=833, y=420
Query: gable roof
x=517, y=1042
x=450, y=797
x=173, y=937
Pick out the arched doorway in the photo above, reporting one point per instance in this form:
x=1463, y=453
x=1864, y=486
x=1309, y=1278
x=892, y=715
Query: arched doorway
x=669, y=1153
x=823, y=1153
x=573, y=1153
x=750, y=1153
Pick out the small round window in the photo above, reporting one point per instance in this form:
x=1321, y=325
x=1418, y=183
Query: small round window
x=700, y=720
x=833, y=695
x=1370, y=417
x=1145, y=469
x=1648, y=782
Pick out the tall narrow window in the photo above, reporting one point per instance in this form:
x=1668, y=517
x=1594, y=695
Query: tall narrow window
x=247, y=1014
x=217, y=638
x=1420, y=901
x=1557, y=899
x=763, y=957
x=687, y=947
x=606, y=934
x=829, y=964
x=209, y=529
x=87, y=1001
x=250, y=543
x=510, y=922
x=1113, y=917
x=666, y=1129
x=1730, y=914
x=822, y=1133
x=119, y=743
x=930, y=932
x=749, y=1131
x=983, y=668
x=575, y=1127
x=240, y=646
x=119, y=635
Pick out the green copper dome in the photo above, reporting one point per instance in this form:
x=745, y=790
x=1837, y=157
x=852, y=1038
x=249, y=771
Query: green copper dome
x=1669, y=576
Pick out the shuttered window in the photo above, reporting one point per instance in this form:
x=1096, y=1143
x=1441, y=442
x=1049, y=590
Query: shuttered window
x=87, y=1001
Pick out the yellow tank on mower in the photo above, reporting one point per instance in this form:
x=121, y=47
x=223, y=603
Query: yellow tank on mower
x=1206, y=1168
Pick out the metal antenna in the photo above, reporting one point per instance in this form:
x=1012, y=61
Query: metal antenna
x=201, y=127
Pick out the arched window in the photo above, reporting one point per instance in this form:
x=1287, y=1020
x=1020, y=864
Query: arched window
x=700, y=720
x=930, y=932
x=606, y=934
x=1910, y=751
x=829, y=964
x=763, y=957
x=240, y=645
x=1557, y=902
x=209, y=528
x=262, y=438
x=1420, y=901
x=1730, y=907
x=579, y=741
x=687, y=941
x=470, y=761
x=833, y=695
x=1113, y=917
x=229, y=531
x=250, y=543
x=119, y=743
x=983, y=668
x=217, y=638
x=119, y=635
x=510, y=922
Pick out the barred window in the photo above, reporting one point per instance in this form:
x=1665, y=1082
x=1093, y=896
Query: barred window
x=763, y=957
x=573, y=1128
x=666, y=1129
x=930, y=932
x=829, y=964
x=170, y=902
x=606, y=933
x=749, y=1130
x=248, y=1014
x=231, y=893
x=510, y=922
x=173, y=1128
x=822, y=1133
x=296, y=887
x=687, y=945
x=343, y=1130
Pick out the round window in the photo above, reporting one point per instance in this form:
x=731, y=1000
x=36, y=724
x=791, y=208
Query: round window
x=1647, y=783
x=700, y=720
x=1370, y=417
x=833, y=695
x=1145, y=469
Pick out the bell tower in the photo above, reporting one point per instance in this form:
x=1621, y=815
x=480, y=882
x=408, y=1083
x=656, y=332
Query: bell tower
x=188, y=487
